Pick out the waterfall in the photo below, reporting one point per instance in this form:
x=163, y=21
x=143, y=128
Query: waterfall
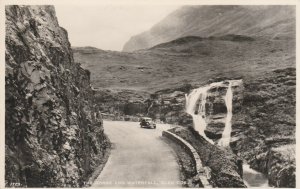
x=199, y=113
x=148, y=110
x=199, y=96
x=225, y=140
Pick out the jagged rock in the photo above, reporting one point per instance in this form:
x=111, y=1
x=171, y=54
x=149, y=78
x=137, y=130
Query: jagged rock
x=53, y=132
x=278, y=164
x=266, y=125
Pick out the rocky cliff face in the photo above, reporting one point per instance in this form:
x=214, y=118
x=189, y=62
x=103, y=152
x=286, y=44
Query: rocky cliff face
x=259, y=21
x=265, y=126
x=53, y=130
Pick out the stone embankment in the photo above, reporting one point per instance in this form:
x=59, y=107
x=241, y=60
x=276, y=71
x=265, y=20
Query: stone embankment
x=220, y=167
x=202, y=172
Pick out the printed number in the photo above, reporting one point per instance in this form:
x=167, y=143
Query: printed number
x=15, y=184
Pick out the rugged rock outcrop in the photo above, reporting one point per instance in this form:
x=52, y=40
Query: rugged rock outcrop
x=266, y=126
x=278, y=163
x=169, y=106
x=122, y=105
x=263, y=122
x=53, y=129
x=226, y=168
x=259, y=21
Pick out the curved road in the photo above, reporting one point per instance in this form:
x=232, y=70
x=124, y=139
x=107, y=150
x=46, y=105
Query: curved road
x=139, y=158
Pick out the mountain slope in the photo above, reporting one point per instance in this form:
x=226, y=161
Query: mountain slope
x=186, y=60
x=260, y=21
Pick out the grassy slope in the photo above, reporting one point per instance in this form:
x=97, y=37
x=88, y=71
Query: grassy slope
x=194, y=60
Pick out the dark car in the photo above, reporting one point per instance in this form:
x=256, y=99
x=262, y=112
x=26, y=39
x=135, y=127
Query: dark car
x=147, y=122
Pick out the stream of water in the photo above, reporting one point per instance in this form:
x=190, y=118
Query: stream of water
x=253, y=178
x=225, y=140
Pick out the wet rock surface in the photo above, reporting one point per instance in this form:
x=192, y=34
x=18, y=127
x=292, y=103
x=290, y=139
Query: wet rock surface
x=263, y=122
x=53, y=129
x=278, y=164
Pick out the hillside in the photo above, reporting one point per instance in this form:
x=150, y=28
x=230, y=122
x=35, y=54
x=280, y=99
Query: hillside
x=268, y=22
x=193, y=60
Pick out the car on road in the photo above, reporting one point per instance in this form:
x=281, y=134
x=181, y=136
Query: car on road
x=147, y=122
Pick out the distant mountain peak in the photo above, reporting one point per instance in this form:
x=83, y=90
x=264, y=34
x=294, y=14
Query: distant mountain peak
x=219, y=20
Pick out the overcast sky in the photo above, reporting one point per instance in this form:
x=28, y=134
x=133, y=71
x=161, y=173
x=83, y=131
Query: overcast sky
x=108, y=27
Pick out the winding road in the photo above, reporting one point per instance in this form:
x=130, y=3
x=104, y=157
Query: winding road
x=139, y=158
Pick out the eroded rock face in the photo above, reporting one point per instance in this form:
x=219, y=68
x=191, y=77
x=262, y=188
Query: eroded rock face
x=266, y=126
x=226, y=168
x=169, y=106
x=53, y=131
x=278, y=164
x=263, y=122
x=216, y=109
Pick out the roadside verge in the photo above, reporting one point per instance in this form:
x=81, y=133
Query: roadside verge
x=99, y=169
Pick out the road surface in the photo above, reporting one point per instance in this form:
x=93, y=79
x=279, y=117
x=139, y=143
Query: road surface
x=139, y=158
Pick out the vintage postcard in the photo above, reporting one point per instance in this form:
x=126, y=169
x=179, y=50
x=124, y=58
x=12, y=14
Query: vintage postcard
x=192, y=94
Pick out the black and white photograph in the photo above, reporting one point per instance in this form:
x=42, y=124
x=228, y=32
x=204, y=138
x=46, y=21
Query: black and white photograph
x=149, y=94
